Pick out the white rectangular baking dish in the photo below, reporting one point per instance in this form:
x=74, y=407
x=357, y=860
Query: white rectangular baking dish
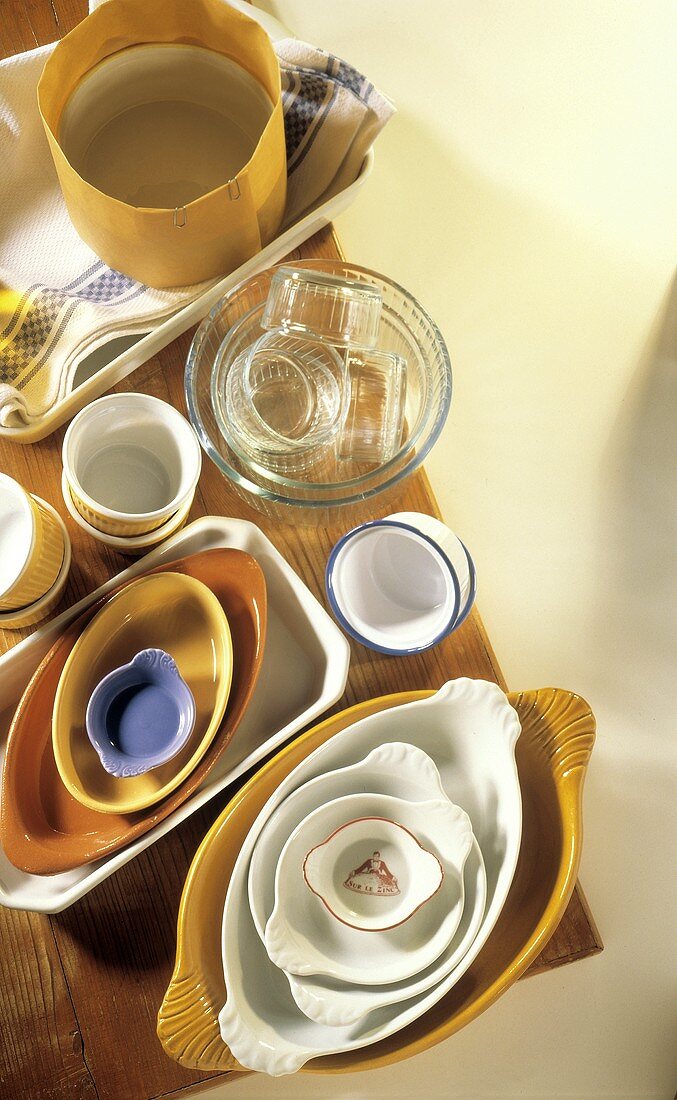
x=304, y=672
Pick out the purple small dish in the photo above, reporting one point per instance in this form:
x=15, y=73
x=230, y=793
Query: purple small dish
x=140, y=715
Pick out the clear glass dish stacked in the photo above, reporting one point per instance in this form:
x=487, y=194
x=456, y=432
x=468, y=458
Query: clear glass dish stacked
x=378, y=440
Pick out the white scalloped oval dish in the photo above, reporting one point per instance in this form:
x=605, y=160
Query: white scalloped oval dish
x=338, y=1004
x=469, y=730
x=303, y=936
x=397, y=769
x=394, y=768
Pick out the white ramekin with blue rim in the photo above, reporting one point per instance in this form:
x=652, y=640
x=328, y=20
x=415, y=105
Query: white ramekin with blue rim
x=393, y=588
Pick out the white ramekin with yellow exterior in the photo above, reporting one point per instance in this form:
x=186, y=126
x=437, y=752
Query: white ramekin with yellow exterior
x=31, y=547
x=135, y=545
x=43, y=606
x=131, y=462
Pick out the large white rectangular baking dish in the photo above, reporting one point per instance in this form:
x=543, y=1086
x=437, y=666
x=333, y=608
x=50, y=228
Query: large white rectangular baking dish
x=305, y=667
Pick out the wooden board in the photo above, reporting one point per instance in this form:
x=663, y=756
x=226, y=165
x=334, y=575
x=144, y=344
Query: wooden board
x=79, y=991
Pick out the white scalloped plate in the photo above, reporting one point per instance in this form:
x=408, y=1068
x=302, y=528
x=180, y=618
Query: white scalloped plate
x=302, y=936
x=398, y=769
x=469, y=730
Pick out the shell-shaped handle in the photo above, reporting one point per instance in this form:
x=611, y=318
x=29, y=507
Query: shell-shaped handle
x=156, y=658
x=188, y=1027
x=562, y=725
x=342, y=1011
x=282, y=948
x=403, y=757
x=258, y=1055
x=113, y=767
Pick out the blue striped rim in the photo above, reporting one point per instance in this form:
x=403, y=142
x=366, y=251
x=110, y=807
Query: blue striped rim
x=453, y=621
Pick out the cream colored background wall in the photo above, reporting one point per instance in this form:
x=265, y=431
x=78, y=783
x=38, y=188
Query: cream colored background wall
x=525, y=193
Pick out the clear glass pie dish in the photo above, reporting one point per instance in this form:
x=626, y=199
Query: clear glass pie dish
x=346, y=488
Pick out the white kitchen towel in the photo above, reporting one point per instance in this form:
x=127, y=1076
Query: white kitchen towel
x=58, y=301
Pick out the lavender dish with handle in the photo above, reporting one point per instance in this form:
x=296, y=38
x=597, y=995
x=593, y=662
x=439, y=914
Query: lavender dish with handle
x=140, y=715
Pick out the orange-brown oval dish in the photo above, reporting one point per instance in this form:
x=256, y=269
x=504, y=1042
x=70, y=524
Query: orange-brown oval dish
x=43, y=829
x=167, y=611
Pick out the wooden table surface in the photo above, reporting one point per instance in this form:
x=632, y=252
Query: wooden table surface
x=79, y=992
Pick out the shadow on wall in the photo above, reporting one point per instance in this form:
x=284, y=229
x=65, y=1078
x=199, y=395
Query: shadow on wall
x=639, y=578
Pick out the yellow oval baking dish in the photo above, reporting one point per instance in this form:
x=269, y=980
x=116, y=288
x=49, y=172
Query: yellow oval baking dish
x=552, y=756
x=167, y=611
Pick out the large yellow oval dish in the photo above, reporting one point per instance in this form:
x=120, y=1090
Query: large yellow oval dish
x=552, y=754
x=167, y=611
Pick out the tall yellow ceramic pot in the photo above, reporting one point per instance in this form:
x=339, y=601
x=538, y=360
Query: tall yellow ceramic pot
x=164, y=119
